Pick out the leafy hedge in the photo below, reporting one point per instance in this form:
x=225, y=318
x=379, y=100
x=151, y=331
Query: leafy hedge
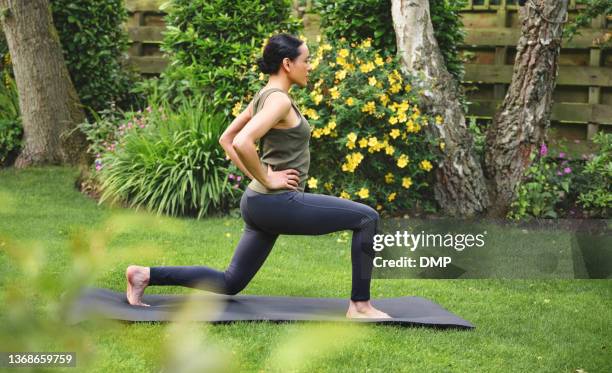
x=210, y=44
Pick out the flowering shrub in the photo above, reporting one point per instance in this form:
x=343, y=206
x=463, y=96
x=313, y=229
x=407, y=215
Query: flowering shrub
x=546, y=183
x=367, y=139
x=168, y=161
x=596, y=194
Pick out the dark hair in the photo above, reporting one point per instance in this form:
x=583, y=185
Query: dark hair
x=278, y=48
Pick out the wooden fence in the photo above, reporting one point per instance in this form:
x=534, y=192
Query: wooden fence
x=582, y=98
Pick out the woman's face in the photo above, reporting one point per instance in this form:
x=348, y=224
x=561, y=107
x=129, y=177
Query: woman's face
x=300, y=67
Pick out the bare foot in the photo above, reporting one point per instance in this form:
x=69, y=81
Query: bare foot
x=137, y=280
x=364, y=309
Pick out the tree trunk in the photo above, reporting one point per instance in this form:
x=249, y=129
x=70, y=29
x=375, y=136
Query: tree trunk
x=460, y=188
x=50, y=107
x=519, y=126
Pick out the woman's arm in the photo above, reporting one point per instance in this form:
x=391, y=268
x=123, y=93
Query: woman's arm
x=277, y=107
x=230, y=132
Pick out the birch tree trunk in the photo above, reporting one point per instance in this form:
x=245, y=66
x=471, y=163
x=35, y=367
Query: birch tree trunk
x=50, y=107
x=460, y=188
x=520, y=125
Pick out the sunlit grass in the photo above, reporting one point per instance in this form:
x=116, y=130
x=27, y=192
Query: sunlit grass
x=53, y=239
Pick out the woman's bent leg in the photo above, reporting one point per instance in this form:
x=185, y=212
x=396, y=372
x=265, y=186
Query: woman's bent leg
x=251, y=252
x=316, y=214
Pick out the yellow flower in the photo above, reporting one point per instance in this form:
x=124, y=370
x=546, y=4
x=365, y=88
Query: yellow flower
x=237, y=108
x=426, y=165
x=316, y=133
x=406, y=182
x=349, y=101
x=369, y=107
x=394, y=133
x=328, y=186
x=389, y=150
x=366, y=43
x=391, y=196
x=316, y=97
x=352, y=137
x=442, y=145
x=343, y=52
x=372, y=80
x=363, y=143
x=331, y=125
x=353, y=161
x=326, y=131
x=402, y=161
x=311, y=113
x=372, y=141
x=439, y=120
x=334, y=93
x=367, y=67
x=312, y=183
x=326, y=47
x=384, y=99
x=379, y=61
x=341, y=74
x=393, y=120
x=363, y=193
x=261, y=76
x=379, y=207
x=408, y=88
x=389, y=178
x=345, y=195
x=395, y=88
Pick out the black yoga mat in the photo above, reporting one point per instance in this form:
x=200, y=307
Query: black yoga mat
x=108, y=304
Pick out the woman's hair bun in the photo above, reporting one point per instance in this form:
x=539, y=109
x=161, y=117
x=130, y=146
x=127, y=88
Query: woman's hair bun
x=263, y=66
x=278, y=47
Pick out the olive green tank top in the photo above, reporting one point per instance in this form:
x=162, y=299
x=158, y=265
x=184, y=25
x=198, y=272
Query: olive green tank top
x=283, y=148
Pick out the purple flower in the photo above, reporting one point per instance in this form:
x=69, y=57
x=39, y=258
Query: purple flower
x=98, y=167
x=238, y=178
x=561, y=155
x=543, y=150
x=567, y=170
x=230, y=176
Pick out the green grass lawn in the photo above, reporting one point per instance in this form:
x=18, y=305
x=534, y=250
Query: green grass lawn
x=521, y=325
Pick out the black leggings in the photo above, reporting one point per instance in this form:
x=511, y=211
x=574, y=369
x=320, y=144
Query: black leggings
x=292, y=212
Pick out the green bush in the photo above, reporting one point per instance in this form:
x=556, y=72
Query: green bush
x=209, y=44
x=11, y=130
x=596, y=192
x=169, y=161
x=361, y=19
x=367, y=140
x=94, y=41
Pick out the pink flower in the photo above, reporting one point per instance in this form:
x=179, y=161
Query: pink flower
x=559, y=173
x=567, y=170
x=230, y=176
x=142, y=126
x=561, y=155
x=148, y=109
x=543, y=150
x=238, y=178
x=98, y=167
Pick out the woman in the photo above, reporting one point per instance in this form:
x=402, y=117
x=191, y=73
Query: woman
x=274, y=202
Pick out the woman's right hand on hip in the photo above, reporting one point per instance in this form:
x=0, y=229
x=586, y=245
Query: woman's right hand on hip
x=283, y=179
